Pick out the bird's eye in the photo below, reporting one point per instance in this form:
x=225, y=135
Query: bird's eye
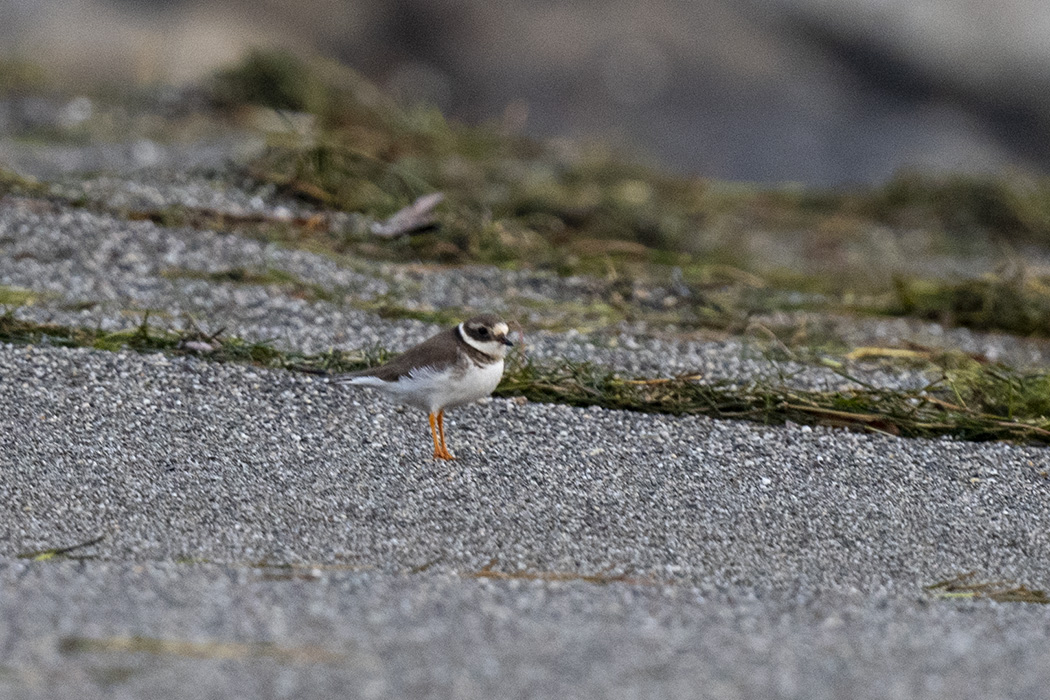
x=483, y=332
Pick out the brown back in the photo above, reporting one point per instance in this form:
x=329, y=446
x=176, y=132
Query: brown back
x=440, y=350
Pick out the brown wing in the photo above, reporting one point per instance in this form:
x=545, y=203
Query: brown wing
x=440, y=350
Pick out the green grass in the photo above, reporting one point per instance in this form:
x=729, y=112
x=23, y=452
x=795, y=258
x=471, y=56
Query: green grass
x=15, y=184
x=274, y=79
x=1017, y=304
x=15, y=296
x=190, y=341
x=1012, y=206
x=974, y=403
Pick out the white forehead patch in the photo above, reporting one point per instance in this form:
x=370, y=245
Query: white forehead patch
x=500, y=329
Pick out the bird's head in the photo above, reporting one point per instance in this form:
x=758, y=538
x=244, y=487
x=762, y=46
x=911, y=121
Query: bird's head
x=487, y=334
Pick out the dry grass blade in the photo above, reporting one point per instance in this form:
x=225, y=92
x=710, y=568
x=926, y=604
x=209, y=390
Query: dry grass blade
x=1022, y=428
x=417, y=217
x=601, y=578
x=58, y=552
x=664, y=380
x=215, y=650
x=841, y=415
x=892, y=353
x=967, y=585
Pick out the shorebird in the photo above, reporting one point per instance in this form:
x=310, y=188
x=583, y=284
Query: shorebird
x=457, y=366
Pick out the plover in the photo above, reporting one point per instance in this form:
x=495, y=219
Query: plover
x=455, y=367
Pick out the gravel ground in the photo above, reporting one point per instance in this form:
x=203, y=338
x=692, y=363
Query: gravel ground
x=267, y=534
x=366, y=635
x=755, y=562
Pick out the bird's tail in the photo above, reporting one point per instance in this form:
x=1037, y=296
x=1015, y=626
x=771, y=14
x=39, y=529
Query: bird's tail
x=362, y=378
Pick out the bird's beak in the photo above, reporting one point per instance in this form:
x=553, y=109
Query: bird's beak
x=506, y=341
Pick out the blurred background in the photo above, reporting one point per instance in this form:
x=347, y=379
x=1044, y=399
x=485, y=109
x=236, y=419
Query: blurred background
x=818, y=92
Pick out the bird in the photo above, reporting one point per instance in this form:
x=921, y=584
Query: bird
x=455, y=367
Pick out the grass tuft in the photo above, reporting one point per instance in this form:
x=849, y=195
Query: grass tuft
x=996, y=408
x=15, y=296
x=511, y=198
x=1018, y=304
x=1012, y=206
x=11, y=183
x=275, y=79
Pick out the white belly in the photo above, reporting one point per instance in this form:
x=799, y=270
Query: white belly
x=476, y=383
x=433, y=391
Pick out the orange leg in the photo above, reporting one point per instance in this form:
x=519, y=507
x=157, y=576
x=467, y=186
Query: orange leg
x=441, y=432
x=434, y=435
x=437, y=432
